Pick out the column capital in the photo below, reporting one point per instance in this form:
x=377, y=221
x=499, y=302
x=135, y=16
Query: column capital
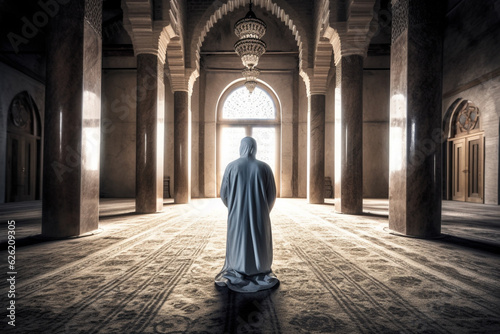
x=316, y=80
x=153, y=36
x=322, y=64
x=351, y=34
x=154, y=41
x=347, y=43
x=182, y=81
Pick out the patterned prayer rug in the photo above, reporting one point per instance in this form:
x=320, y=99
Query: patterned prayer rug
x=339, y=274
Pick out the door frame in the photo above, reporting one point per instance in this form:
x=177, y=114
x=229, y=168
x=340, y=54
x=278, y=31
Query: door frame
x=466, y=169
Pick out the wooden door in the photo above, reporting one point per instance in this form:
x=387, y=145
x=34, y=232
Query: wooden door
x=21, y=168
x=475, y=169
x=468, y=169
x=458, y=170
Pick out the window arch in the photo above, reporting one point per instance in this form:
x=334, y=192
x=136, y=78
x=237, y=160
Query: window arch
x=241, y=113
x=465, y=119
x=241, y=104
x=237, y=105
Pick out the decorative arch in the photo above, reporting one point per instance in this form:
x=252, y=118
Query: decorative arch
x=465, y=118
x=447, y=118
x=240, y=83
x=282, y=11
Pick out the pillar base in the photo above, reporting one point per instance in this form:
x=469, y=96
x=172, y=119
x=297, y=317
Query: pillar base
x=438, y=236
x=43, y=237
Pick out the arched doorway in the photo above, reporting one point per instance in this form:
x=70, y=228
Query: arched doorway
x=241, y=113
x=466, y=153
x=23, y=150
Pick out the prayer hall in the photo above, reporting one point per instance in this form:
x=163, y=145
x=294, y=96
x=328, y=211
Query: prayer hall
x=377, y=122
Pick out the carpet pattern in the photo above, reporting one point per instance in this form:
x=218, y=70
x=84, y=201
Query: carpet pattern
x=338, y=273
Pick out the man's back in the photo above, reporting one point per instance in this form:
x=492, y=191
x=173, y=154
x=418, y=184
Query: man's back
x=248, y=190
x=248, y=180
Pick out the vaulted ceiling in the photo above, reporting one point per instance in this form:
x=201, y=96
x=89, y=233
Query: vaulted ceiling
x=317, y=30
x=321, y=29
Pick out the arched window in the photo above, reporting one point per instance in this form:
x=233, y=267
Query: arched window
x=241, y=104
x=256, y=114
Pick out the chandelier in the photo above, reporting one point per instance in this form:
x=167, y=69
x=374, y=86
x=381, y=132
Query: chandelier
x=250, y=75
x=250, y=47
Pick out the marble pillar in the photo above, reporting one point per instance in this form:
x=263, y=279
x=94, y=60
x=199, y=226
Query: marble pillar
x=182, y=148
x=316, y=150
x=415, y=118
x=70, y=202
x=149, y=134
x=349, y=135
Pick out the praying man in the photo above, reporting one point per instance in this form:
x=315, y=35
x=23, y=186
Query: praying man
x=249, y=192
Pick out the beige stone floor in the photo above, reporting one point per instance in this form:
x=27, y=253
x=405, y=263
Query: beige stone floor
x=339, y=273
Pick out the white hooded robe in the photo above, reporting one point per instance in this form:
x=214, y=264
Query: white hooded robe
x=249, y=192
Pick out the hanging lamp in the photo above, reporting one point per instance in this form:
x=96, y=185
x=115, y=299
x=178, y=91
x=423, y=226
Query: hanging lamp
x=250, y=47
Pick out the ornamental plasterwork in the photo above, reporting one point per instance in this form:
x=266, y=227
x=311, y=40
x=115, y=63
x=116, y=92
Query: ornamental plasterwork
x=467, y=118
x=20, y=111
x=241, y=104
x=351, y=37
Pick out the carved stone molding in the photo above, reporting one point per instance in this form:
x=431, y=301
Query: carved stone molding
x=93, y=14
x=350, y=37
x=194, y=74
x=399, y=18
x=322, y=62
x=139, y=25
x=163, y=38
x=306, y=74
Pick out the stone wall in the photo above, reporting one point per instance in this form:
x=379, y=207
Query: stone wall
x=118, y=127
x=376, y=82
x=471, y=71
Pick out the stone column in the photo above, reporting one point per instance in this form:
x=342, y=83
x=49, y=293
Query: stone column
x=415, y=118
x=316, y=150
x=182, y=148
x=70, y=203
x=149, y=134
x=349, y=135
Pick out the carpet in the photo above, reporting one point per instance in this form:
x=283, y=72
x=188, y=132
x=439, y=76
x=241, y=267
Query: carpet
x=338, y=274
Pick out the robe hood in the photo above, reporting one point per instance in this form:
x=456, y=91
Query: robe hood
x=248, y=147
